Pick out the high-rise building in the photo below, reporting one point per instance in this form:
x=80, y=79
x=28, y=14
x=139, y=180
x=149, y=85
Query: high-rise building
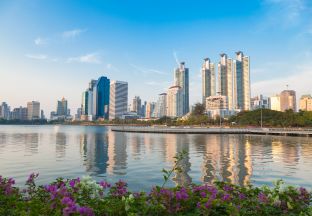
x=101, y=98
x=118, y=99
x=161, y=106
x=275, y=103
x=4, y=111
x=19, y=113
x=42, y=116
x=33, y=110
x=143, y=109
x=241, y=82
x=87, y=100
x=136, y=105
x=225, y=79
x=306, y=103
x=288, y=100
x=181, y=78
x=208, y=80
x=61, y=109
x=150, y=110
x=259, y=102
x=175, y=99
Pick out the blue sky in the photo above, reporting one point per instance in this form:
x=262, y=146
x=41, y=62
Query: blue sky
x=50, y=49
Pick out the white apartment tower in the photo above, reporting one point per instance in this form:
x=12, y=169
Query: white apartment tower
x=161, y=107
x=208, y=80
x=175, y=101
x=118, y=99
x=225, y=79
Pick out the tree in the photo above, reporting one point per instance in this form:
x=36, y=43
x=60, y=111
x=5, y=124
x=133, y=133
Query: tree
x=199, y=109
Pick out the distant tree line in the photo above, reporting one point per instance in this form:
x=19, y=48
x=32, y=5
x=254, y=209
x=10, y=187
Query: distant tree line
x=23, y=122
x=271, y=118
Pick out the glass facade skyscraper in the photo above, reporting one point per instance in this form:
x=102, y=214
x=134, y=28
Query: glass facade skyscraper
x=241, y=82
x=101, y=98
x=181, y=78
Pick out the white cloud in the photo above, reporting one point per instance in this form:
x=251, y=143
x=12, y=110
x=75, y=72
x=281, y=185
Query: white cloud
x=39, y=41
x=176, y=57
x=37, y=56
x=154, y=83
x=92, y=58
x=300, y=82
x=147, y=71
x=285, y=12
x=72, y=33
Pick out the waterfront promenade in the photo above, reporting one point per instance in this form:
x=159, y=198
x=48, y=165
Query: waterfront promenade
x=201, y=130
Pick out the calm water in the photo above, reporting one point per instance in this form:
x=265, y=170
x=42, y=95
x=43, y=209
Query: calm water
x=74, y=151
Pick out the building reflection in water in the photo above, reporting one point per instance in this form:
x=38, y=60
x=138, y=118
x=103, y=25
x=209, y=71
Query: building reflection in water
x=226, y=158
x=31, y=141
x=94, y=148
x=117, y=153
x=3, y=140
x=174, y=144
x=60, y=145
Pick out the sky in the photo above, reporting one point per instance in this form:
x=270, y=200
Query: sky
x=51, y=49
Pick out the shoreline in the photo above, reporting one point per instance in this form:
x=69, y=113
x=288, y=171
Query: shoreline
x=190, y=130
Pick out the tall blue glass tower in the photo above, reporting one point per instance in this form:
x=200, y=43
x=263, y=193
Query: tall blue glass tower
x=101, y=98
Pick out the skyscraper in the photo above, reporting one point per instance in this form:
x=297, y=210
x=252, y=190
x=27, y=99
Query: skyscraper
x=241, y=82
x=181, y=78
x=161, y=105
x=101, y=98
x=118, y=99
x=175, y=101
x=87, y=100
x=225, y=79
x=150, y=110
x=288, y=100
x=33, y=110
x=208, y=80
x=61, y=109
x=136, y=105
x=4, y=111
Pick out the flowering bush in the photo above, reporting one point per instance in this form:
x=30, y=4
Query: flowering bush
x=87, y=197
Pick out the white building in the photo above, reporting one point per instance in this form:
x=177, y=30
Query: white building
x=275, y=103
x=225, y=79
x=161, y=107
x=218, y=106
x=118, y=99
x=175, y=101
x=259, y=102
x=33, y=110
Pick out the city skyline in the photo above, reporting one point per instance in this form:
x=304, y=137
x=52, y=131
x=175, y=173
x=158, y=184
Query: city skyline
x=87, y=40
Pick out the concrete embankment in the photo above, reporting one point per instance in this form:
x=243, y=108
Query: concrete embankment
x=191, y=130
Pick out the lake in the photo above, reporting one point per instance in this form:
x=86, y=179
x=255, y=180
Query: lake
x=75, y=151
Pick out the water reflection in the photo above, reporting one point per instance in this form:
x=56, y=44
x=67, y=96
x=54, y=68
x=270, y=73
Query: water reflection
x=139, y=158
x=117, y=153
x=95, y=152
x=60, y=145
